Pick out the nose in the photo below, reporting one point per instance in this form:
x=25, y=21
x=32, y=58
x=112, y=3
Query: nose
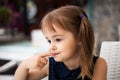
x=52, y=47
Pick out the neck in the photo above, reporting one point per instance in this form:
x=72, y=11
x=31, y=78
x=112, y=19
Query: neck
x=72, y=63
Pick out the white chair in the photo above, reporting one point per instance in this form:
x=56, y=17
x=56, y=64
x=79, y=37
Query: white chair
x=110, y=51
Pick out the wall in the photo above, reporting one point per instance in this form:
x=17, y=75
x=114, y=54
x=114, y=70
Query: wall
x=106, y=20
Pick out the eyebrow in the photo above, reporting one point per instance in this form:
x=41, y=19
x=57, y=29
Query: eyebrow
x=54, y=36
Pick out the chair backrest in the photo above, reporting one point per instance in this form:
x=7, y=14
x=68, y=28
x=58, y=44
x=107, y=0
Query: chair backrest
x=110, y=51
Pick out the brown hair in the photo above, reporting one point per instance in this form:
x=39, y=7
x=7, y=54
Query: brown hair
x=74, y=19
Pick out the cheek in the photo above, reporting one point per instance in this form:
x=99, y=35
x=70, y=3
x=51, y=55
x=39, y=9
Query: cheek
x=61, y=47
x=68, y=48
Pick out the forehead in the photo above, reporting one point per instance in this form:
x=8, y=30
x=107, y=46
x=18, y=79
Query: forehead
x=53, y=29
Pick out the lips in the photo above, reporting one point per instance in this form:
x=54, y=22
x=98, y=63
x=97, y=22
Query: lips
x=55, y=54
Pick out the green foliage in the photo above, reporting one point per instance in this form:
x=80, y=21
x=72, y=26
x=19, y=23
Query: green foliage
x=5, y=15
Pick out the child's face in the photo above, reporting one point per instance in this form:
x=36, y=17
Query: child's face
x=63, y=46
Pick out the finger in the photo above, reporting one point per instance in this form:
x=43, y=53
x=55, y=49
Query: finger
x=42, y=60
x=41, y=65
x=46, y=54
x=43, y=55
x=52, y=54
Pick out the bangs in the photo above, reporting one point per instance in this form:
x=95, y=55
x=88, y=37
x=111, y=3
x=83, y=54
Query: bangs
x=47, y=23
x=52, y=20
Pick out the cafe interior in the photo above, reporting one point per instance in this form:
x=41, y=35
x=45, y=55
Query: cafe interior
x=21, y=35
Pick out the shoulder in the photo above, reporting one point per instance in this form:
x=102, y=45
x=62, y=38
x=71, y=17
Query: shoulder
x=100, y=62
x=100, y=69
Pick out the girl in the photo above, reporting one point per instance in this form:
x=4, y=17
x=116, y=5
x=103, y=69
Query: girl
x=71, y=42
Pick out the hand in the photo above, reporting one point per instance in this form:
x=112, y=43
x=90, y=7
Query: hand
x=38, y=61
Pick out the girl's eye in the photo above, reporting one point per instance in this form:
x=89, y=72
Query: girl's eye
x=58, y=40
x=49, y=41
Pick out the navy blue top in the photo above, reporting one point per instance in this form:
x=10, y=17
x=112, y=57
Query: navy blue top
x=58, y=71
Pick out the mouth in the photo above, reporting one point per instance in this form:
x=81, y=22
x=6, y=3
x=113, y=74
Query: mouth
x=55, y=54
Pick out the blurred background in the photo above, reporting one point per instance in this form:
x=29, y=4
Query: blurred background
x=21, y=37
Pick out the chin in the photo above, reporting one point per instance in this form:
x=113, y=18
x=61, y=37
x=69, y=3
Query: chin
x=57, y=59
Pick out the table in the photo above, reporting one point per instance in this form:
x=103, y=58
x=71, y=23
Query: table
x=21, y=50
x=17, y=52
